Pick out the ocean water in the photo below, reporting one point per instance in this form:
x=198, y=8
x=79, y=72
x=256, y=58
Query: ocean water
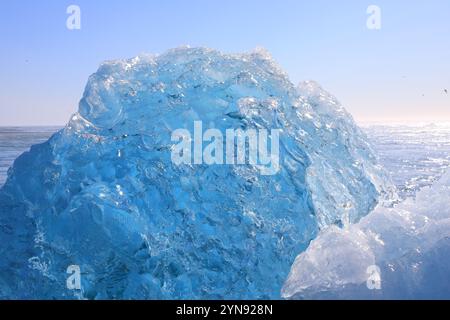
x=16, y=140
x=414, y=155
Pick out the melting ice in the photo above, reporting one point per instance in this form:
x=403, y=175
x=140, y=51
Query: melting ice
x=103, y=193
x=409, y=244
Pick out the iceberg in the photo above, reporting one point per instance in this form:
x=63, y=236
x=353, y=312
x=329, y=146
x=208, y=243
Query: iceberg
x=404, y=249
x=102, y=194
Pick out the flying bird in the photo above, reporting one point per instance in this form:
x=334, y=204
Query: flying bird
x=446, y=91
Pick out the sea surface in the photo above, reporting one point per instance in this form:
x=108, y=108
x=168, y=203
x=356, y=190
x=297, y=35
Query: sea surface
x=16, y=140
x=415, y=155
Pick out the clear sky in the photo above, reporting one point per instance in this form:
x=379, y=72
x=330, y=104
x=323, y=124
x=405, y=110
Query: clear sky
x=398, y=73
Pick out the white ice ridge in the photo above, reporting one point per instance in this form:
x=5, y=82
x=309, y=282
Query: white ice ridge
x=409, y=243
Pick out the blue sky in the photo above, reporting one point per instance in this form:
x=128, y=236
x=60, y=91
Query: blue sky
x=398, y=73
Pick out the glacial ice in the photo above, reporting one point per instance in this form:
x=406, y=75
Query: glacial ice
x=409, y=244
x=103, y=193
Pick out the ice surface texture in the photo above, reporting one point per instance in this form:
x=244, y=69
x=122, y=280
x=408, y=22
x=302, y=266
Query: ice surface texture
x=410, y=244
x=103, y=193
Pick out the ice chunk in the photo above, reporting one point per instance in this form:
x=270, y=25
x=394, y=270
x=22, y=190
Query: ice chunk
x=406, y=247
x=104, y=194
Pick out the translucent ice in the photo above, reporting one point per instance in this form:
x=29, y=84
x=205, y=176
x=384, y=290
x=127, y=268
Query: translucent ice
x=408, y=245
x=103, y=193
